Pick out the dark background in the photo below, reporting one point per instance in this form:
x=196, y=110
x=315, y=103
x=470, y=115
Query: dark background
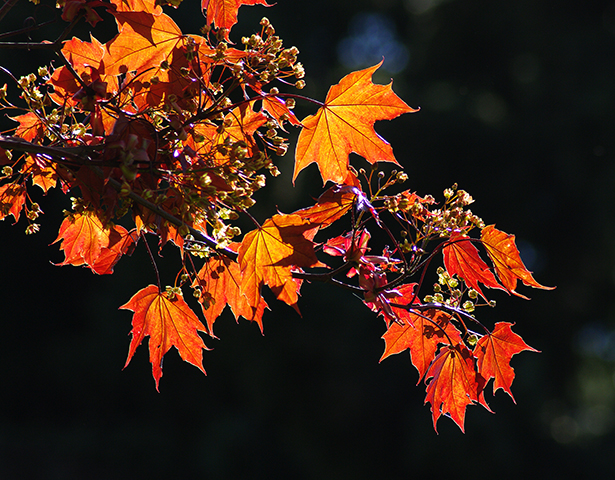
x=517, y=102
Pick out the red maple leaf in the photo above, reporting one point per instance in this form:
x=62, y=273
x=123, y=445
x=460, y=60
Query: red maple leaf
x=421, y=333
x=506, y=260
x=169, y=322
x=30, y=127
x=83, y=237
x=332, y=205
x=493, y=353
x=461, y=257
x=121, y=242
x=453, y=384
x=144, y=41
x=223, y=13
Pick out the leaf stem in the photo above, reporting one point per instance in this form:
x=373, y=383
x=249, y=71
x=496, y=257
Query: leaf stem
x=151, y=257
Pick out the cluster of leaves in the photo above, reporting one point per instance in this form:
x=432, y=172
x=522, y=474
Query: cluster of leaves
x=157, y=132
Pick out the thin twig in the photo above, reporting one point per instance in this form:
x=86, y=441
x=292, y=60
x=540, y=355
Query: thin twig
x=7, y=7
x=151, y=257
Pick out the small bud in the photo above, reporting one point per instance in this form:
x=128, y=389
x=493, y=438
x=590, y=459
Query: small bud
x=468, y=306
x=184, y=230
x=32, y=228
x=472, y=340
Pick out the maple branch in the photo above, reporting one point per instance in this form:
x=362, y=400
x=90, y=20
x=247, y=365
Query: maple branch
x=77, y=155
x=56, y=45
x=29, y=45
x=435, y=306
x=328, y=278
x=6, y=7
x=206, y=239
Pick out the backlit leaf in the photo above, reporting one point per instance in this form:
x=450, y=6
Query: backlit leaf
x=220, y=279
x=169, y=322
x=121, y=242
x=345, y=124
x=453, y=384
x=494, y=351
x=268, y=254
x=145, y=40
x=461, y=257
x=332, y=205
x=30, y=127
x=42, y=171
x=12, y=199
x=223, y=13
x=421, y=334
x=86, y=241
x=508, y=265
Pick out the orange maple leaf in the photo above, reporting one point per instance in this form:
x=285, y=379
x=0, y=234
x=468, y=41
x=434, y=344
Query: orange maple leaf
x=453, y=384
x=30, y=127
x=83, y=237
x=493, y=353
x=461, y=257
x=223, y=13
x=268, y=254
x=220, y=278
x=345, y=124
x=277, y=108
x=332, y=205
x=82, y=54
x=506, y=260
x=421, y=335
x=240, y=125
x=121, y=242
x=168, y=321
x=12, y=199
x=86, y=241
x=42, y=171
x=148, y=6
x=144, y=41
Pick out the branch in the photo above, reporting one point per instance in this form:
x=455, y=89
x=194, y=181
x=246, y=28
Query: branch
x=77, y=155
x=197, y=234
x=81, y=156
x=327, y=278
x=6, y=7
